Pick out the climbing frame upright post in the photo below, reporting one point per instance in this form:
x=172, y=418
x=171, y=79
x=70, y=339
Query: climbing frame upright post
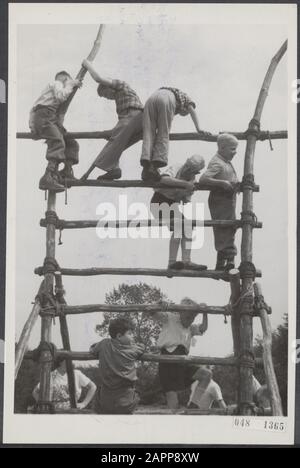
x=247, y=267
x=46, y=356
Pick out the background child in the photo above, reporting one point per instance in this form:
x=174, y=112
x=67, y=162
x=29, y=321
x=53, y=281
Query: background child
x=205, y=391
x=117, y=366
x=46, y=121
x=179, y=181
x=59, y=387
x=175, y=339
x=221, y=176
x=158, y=115
x=128, y=129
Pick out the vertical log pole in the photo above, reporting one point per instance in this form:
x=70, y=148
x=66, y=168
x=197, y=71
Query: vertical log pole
x=246, y=327
x=44, y=404
x=271, y=379
x=66, y=340
x=234, y=276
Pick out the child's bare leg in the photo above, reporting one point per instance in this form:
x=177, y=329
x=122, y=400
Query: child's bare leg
x=186, y=249
x=172, y=400
x=173, y=252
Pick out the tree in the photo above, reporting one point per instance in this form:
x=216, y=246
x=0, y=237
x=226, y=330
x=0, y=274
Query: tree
x=146, y=331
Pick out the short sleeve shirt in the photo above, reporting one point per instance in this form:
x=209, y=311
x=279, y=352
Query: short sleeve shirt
x=220, y=169
x=173, y=333
x=183, y=101
x=204, y=398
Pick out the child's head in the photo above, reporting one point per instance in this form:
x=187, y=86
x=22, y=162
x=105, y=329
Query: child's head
x=203, y=375
x=62, y=76
x=121, y=329
x=227, y=145
x=106, y=91
x=187, y=317
x=193, y=166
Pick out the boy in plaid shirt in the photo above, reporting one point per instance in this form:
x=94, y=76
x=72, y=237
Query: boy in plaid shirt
x=158, y=115
x=128, y=129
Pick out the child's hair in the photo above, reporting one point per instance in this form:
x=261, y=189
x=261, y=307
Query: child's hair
x=62, y=73
x=189, y=314
x=226, y=138
x=57, y=362
x=120, y=325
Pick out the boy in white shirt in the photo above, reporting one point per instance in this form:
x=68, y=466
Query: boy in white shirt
x=46, y=121
x=175, y=339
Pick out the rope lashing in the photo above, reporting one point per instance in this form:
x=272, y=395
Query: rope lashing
x=253, y=128
x=50, y=265
x=247, y=270
x=270, y=141
x=247, y=182
x=51, y=218
x=60, y=242
x=260, y=304
x=247, y=360
x=248, y=217
x=246, y=297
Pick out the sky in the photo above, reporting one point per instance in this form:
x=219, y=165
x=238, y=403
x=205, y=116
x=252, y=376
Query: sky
x=221, y=68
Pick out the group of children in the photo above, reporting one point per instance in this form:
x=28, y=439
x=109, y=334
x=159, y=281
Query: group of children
x=152, y=122
x=118, y=357
x=118, y=354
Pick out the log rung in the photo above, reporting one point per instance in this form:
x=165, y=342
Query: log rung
x=146, y=308
x=130, y=184
x=94, y=271
x=191, y=136
x=192, y=360
x=134, y=223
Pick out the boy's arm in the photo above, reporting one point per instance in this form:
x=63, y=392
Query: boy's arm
x=94, y=349
x=209, y=178
x=95, y=75
x=200, y=329
x=195, y=120
x=177, y=183
x=63, y=92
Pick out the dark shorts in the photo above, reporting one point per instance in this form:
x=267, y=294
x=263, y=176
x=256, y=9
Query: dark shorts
x=123, y=400
x=158, y=199
x=175, y=377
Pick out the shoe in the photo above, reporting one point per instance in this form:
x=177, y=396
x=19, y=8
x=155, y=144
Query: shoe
x=66, y=173
x=150, y=174
x=176, y=266
x=229, y=266
x=49, y=181
x=194, y=266
x=111, y=175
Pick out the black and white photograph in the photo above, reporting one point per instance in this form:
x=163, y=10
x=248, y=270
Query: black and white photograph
x=151, y=224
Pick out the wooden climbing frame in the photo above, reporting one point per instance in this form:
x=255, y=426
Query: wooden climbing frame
x=244, y=290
